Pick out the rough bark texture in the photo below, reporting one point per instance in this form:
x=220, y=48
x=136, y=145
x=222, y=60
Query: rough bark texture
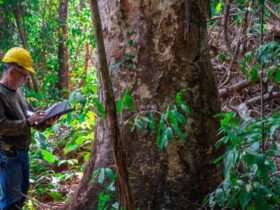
x=155, y=53
x=18, y=13
x=19, y=23
x=63, y=55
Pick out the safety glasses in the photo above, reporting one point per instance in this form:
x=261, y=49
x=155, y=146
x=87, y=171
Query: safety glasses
x=21, y=71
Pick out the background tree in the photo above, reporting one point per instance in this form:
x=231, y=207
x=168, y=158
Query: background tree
x=63, y=56
x=20, y=23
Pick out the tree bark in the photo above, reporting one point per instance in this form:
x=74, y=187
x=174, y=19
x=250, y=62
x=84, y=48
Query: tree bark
x=63, y=55
x=20, y=26
x=33, y=83
x=153, y=52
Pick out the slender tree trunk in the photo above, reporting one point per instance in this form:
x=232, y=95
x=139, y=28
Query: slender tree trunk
x=82, y=4
x=20, y=26
x=155, y=49
x=88, y=54
x=63, y=55
x=33, y=83
x=88, y=51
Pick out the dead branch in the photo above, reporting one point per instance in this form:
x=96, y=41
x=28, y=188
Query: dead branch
x=243, y=109
x=222, y=16
x=234, y=88
x=274, y=14
x=267, y=96
x=226, y=20
x=236, y=51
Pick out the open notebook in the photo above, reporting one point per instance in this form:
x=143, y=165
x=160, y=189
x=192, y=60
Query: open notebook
x=55, y=110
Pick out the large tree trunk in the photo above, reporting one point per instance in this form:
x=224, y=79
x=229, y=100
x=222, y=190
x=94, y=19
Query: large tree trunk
x=155, y=49
x=63, y=55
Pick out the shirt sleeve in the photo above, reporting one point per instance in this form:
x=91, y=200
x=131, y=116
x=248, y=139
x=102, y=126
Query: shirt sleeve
x=42, y=127
x=11, y=127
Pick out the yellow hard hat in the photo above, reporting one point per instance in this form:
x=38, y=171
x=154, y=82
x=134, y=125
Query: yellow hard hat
x=21, y=57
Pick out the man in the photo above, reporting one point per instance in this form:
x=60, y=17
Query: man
x=15, y=129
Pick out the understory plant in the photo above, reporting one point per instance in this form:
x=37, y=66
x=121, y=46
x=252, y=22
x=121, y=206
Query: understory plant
x=251, y=179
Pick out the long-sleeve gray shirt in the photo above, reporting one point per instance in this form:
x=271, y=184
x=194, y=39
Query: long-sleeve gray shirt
x=14, y=129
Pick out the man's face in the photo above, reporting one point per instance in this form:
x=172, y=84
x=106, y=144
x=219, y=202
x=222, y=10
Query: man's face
x=18, y=75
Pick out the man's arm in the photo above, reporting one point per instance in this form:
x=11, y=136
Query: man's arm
x=47, y=124
x=11, y=127
x=40, y=127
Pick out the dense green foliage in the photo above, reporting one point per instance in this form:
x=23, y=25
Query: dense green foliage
x=252, y=181
x=251, y=165
x=58, y=154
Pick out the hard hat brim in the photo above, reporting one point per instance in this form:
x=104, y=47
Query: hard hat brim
x=30, y=70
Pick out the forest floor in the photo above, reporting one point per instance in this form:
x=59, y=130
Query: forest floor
x=237, y=93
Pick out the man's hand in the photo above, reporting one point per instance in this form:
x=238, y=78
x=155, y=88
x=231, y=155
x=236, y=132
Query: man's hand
x=36, y=118
x=52, y=121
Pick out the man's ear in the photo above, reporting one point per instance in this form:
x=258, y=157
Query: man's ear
x=11, y=70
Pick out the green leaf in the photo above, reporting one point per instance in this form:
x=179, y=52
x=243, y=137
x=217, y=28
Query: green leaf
x=139, y=123
x=173, y=117
x=128, y=101
x=101, y=176
x=261, y=202
x=80, y=140
x=120, y=105
x=229, y=162
x=159, y=131
x=70, y=148
x=268, y=53
x=219, y=7
x=125, y=102
x=244, y=199
x=151, y=123
x=180, y=118
x=254, y=74
x=47, y=156
x=110, y=174
x=179, y=132
x=164, y=134
x=116, y=206
x=180, y=102
x=100, y=108
x=185, y=108
x=277, y=76
x=229, y=119
x=179, y=99
x=111, y=187
x=103, y=199
x=165, y=138
x=57, y=196
x=250, y=159
x=220, y=196
x=261, y=2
